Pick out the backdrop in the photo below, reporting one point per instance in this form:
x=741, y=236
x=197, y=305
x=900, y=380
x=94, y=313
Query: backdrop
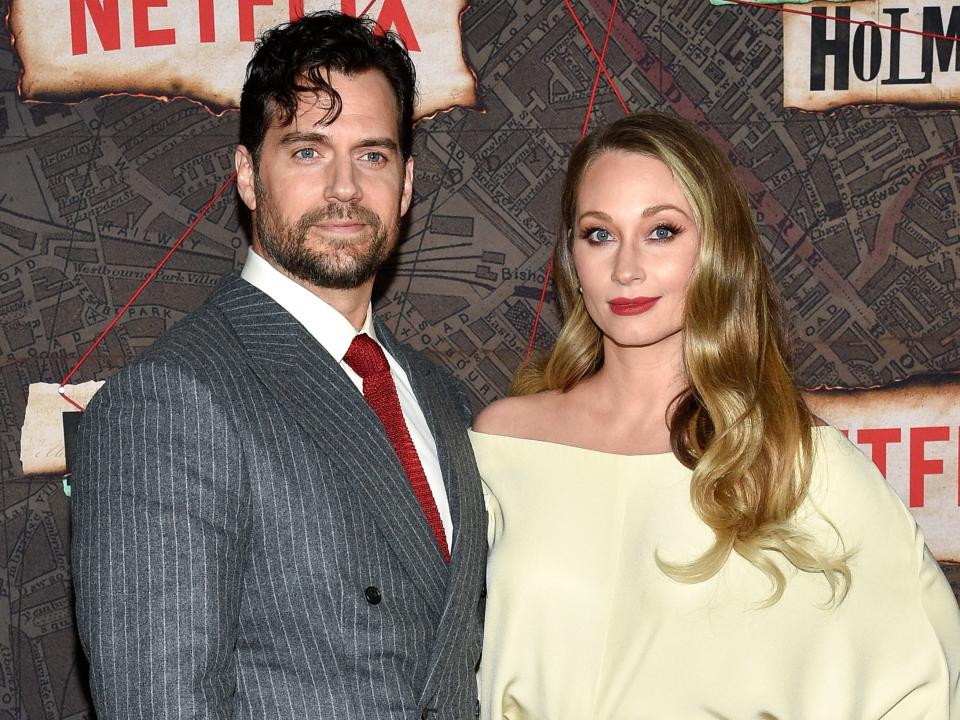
x=858, y=210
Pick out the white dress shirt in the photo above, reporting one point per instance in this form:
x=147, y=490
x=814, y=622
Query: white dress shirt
x=335, y=333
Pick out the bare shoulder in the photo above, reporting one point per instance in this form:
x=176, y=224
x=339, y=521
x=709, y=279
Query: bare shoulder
x=518, y=416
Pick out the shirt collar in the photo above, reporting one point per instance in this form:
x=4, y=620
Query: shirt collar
x=321, y=320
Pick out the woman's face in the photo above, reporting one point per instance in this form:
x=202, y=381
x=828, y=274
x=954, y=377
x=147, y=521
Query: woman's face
x=634, y=248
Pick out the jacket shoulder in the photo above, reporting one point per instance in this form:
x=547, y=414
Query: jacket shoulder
x=200, y=342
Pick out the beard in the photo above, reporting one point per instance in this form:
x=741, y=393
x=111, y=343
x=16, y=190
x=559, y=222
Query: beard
x=331, y=262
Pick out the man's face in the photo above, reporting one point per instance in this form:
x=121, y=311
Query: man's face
x=327, y=199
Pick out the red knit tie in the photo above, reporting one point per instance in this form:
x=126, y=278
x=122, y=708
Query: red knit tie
x=368, y=361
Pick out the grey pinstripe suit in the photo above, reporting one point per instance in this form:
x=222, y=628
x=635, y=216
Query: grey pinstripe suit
x=234, y=498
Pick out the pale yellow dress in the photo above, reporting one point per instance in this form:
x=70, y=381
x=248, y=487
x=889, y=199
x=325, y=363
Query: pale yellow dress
x=582, y=625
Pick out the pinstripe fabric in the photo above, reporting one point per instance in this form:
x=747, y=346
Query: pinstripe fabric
x=234, y=496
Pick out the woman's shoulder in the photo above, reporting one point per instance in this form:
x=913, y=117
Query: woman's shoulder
x=852, y=491
x=516, y=416
x=843, y=462
x=844, y=466
x=501, y=436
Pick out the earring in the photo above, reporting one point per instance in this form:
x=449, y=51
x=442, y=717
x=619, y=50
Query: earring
x=580, y=289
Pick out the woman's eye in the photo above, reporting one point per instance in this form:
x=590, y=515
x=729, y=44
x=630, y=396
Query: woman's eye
x=663, y=232
x=599, y=235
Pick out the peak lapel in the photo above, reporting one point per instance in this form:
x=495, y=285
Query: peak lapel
x=462, y=481
x=469, y=544
x=320, y=397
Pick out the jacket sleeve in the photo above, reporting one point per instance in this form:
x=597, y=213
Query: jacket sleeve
x=940, y=606
x=159, y=535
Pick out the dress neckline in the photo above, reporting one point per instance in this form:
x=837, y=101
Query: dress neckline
x=819, y=431
x=574, y=448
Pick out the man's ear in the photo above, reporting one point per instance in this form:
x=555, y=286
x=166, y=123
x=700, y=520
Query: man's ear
x=243, y=161
x=407, y=192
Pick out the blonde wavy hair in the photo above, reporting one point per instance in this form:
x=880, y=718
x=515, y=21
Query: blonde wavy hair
x=741, y=424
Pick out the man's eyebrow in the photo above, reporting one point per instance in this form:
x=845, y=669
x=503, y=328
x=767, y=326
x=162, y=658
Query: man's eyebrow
x=379, y=142
x=294, y=138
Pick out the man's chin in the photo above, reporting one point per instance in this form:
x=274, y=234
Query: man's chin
x=345, y=275
x=339, y=250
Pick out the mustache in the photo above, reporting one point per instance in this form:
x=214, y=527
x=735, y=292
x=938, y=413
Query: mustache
x=340, y=211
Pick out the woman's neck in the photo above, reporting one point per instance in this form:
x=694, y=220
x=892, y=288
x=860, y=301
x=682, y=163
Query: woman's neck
x=627, y=400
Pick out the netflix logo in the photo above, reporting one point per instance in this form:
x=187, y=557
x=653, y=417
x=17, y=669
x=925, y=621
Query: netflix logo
x=72, y=50
x=147, y=28
x=923, y=450
x=911, y=431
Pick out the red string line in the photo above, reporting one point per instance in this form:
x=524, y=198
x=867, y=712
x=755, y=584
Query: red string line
x=848, y=21
x=600, y=63
x=143, y=285
x=596, y=78
x=536, y=317
x=63, y=394
x=601, y=68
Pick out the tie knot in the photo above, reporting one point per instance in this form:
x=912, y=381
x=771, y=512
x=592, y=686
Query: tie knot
x=366, y=357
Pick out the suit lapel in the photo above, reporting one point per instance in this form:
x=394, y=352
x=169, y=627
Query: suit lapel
x=469, y=557
x=468, y=552
x=320, y=397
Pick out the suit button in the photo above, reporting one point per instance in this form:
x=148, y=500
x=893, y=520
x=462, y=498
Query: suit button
x=373, y=595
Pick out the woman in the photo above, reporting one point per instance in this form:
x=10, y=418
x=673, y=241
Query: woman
x=672, y=534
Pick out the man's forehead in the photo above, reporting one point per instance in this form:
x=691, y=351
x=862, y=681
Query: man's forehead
x=316, y=98
x=320, y=100
x=306, y=101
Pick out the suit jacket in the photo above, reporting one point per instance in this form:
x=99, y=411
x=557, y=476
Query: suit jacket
x=247, y=545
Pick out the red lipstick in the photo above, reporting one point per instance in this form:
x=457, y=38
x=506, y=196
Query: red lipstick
x=632, y=306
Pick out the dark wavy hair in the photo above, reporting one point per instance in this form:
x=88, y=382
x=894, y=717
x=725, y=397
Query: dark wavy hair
x=297, y=57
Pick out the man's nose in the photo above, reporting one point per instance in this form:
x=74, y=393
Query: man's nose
x=342, y=182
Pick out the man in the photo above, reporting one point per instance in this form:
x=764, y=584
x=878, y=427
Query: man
x=276, y=510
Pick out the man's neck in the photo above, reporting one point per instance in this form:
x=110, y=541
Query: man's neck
x=352, y=303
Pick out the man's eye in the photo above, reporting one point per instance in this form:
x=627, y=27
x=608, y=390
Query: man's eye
x=306, y=154
x=374, y=156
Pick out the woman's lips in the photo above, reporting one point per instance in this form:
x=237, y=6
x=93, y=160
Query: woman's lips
x=632, y=306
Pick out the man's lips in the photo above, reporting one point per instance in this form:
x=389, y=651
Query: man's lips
x=632, y=306
x=341, y=226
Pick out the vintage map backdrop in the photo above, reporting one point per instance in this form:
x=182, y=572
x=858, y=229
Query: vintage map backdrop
x=858, y=209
